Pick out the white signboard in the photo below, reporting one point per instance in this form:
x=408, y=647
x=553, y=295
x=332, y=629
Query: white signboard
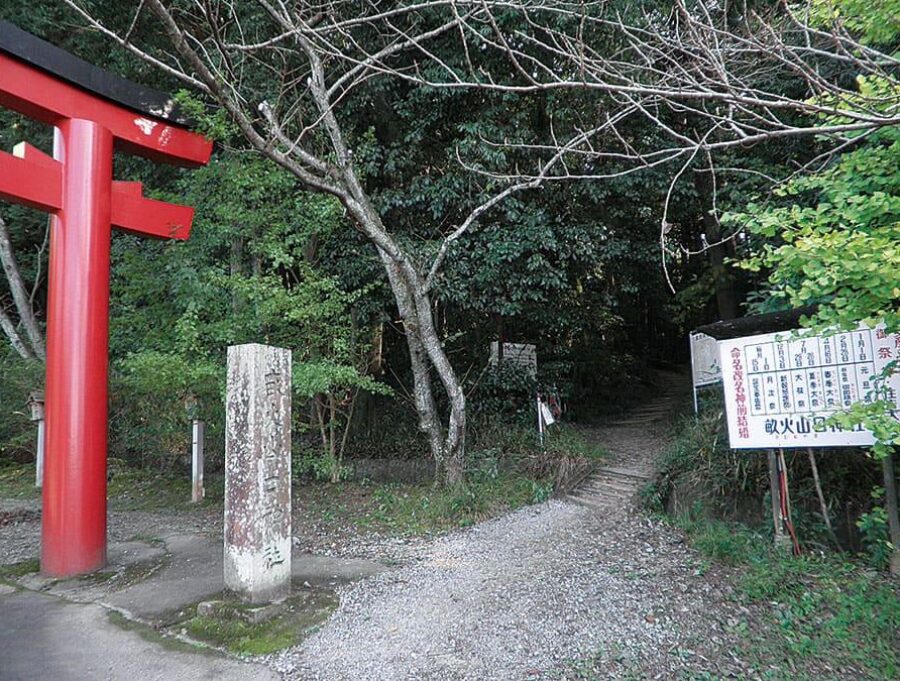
x=780, y=389
x=519, y=354
x=705, y=367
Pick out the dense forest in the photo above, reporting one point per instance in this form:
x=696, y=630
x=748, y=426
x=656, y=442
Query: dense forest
x=393, y=190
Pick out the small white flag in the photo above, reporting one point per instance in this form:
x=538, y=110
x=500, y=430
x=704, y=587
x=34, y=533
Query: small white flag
x=547, y=415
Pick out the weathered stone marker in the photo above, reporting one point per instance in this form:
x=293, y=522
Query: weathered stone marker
x=258, y=472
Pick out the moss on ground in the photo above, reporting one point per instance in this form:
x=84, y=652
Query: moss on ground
x=228, y=629
x=153, y=635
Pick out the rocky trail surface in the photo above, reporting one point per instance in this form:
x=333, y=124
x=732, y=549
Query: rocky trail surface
x=590, y=589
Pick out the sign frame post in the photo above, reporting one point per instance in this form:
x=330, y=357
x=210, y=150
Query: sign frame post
x=198, y=441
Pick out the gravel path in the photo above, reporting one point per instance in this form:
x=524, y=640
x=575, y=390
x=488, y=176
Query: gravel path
x=536, y=594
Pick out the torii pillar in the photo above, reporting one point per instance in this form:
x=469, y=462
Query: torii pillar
x=93, y=112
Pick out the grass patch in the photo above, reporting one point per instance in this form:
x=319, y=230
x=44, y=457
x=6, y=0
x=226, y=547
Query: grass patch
x=407, y=509
x=17, y=482
x=302, y=615
x=15, y=570
x=824, y=611
x=133, y=489
x=424, y=509
x=512, y=472
x=128, y=489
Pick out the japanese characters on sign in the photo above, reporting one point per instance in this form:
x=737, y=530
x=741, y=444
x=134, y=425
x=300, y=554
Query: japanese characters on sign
x=780, y=388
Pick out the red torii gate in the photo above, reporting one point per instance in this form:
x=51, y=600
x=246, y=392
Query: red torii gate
x=92, y=111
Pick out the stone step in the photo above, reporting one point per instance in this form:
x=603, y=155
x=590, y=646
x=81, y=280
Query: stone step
x=595, y=502
x=638, y=420
x=636, y=472
x=604, y=486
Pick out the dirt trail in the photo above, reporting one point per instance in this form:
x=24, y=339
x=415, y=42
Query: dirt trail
x=586, y=590
x=633, y=441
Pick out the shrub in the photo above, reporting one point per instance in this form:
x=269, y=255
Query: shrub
x=17, y=432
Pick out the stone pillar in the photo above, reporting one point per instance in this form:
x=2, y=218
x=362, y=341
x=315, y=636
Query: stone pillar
x=258, y=472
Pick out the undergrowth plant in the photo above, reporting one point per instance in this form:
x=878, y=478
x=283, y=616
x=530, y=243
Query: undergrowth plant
x=819, y=610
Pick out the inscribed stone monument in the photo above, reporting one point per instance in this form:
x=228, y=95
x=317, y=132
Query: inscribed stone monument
x=258, y=472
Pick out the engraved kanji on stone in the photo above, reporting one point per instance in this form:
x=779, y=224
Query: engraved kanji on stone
x=272, y=556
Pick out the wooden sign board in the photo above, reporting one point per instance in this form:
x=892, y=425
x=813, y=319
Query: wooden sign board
x=519, y=354
x=780, y=388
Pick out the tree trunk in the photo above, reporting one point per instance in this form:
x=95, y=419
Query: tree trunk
x=425, y=349
x=726, y=300
x=20, y=295
x=890, y=505
x=781, y=540
x=14, y=338
x=454, y=448
x=236, y=268
x=429, y=423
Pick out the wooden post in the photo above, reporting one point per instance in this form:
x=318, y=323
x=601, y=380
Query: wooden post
x=198, y=429
x=890, y=504
x=39, y=456
x=540, y=420
x=775, y=490
x=693, y=382
x=36, y=404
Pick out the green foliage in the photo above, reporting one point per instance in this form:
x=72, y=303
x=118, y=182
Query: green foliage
x=818, y=610
x=839, y=234
x=875, y=533
x=247, y=274
x=835, y=240
x=698, y=465
x=17, y=432
x=154, y=397
x=506, y=392
x=215, y=124
x=319, y=465
x=876, y=21
x=699, y=457
x=312, y=378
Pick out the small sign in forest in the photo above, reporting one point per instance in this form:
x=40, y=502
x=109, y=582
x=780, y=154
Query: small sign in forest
x=521, y=355
x=780, y=389
x=705, y=366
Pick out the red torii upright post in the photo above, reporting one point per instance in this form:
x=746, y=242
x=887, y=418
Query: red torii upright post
x=92, y=111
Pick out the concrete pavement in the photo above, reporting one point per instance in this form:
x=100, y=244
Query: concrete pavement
x=45, y=637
